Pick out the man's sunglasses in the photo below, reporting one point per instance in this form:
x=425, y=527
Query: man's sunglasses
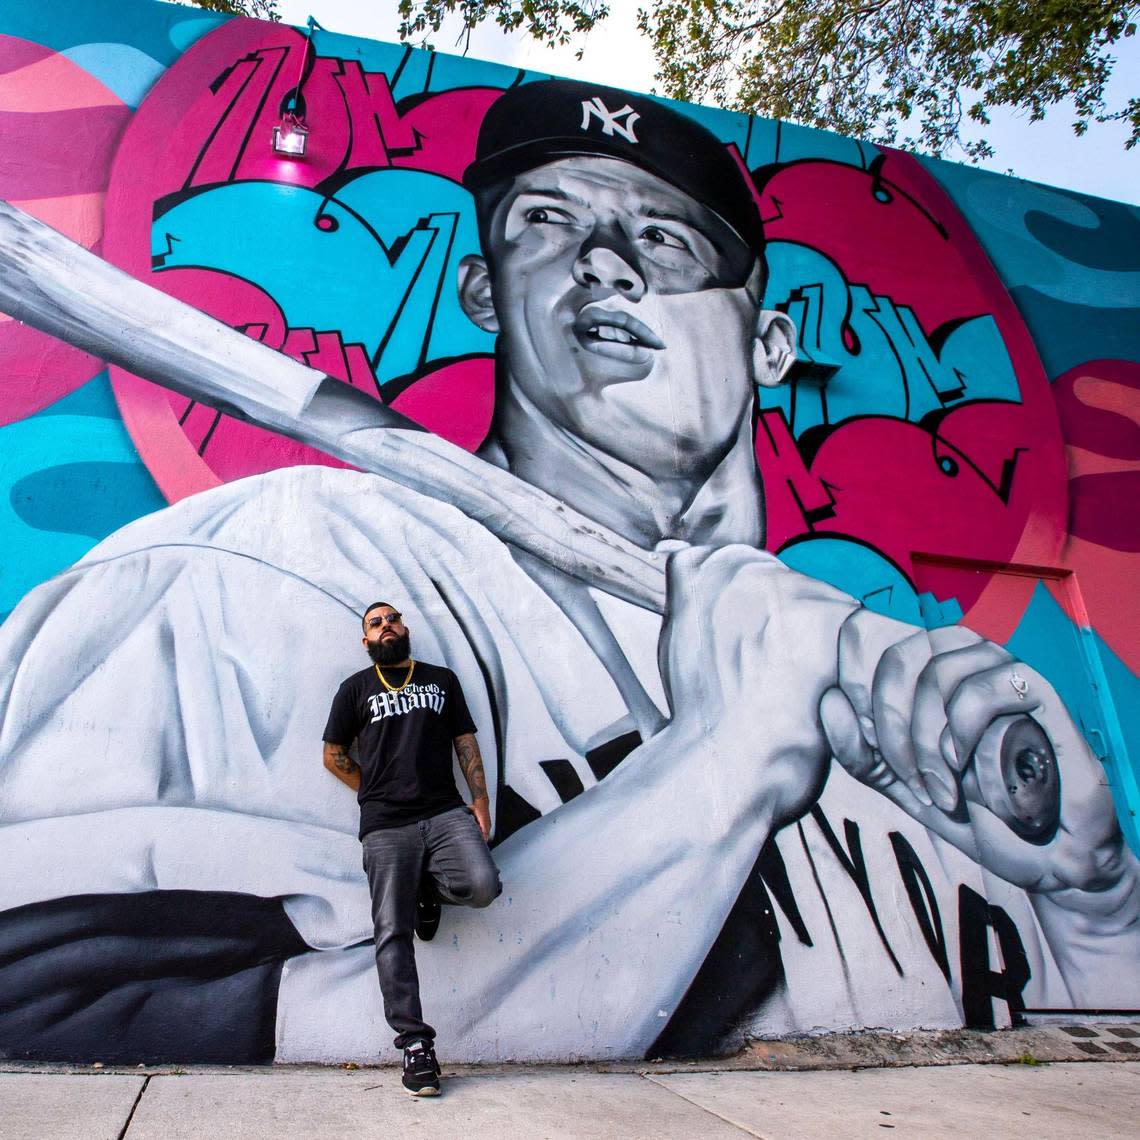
x=384, y=619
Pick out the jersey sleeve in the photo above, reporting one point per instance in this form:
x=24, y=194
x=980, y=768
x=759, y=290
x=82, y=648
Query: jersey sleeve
x=461, y=722
x=343, y=723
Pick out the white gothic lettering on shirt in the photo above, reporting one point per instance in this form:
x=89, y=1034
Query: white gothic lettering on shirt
x=413, y=696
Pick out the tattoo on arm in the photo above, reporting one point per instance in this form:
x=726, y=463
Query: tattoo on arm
x=341, y=765
x=471, y=764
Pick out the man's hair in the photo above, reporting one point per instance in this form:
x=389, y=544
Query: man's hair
x=374, y=606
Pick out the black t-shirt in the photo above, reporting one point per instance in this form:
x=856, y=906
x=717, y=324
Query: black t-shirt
x=403, y=741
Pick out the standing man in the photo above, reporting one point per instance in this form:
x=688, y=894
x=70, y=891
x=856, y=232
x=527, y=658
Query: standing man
x=421, y=843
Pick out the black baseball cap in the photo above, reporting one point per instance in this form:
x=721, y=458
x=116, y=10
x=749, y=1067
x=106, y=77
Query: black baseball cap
x=536, y=123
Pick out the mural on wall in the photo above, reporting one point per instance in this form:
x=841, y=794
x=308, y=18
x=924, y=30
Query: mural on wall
x=773, y=515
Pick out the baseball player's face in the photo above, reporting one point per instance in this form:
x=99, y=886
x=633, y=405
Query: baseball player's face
x=627, y=310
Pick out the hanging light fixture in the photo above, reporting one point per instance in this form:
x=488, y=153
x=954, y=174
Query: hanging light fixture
x=291, y=134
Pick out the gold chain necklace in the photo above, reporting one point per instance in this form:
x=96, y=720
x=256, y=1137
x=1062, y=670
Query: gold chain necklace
x=394, y=688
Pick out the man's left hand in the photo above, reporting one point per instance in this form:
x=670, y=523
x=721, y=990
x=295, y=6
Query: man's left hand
x=481, y=810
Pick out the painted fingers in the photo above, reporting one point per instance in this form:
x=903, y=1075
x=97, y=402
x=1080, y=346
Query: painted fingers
x=920, y=703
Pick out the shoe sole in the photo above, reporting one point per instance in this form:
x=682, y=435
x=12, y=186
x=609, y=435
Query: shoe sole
x=422, y=1092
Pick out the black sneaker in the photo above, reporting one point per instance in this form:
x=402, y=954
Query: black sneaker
x=421, y=1069
x=427, y=916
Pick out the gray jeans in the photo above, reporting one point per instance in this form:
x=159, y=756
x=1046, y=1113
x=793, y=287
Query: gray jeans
x=449, y=850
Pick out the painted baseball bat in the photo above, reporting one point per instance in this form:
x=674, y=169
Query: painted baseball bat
x=50, y=282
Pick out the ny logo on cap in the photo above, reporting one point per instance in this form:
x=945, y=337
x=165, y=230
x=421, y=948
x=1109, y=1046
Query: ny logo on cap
x=609, y=119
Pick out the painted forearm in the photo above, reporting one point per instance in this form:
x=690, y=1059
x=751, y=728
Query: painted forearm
x=342, y=766
x=471, y=765
x=742, y=754
x=1094, y=935
x=673, y=889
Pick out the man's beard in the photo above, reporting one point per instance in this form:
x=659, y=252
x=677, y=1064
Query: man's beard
x=391, y=650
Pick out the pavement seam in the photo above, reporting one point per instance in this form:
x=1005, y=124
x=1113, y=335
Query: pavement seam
x=654, y=1079
x=131, y=1114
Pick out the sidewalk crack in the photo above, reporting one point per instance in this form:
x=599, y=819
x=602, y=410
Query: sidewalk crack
x=696, y=1104
x=131, y=1114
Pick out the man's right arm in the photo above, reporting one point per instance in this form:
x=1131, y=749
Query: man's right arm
x=342, y=766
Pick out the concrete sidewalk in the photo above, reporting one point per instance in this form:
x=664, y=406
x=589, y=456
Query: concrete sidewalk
x=1011, y=1102
x=1035, y=1083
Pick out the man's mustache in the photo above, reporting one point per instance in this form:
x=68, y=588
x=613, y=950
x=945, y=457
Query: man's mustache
x=390, y=651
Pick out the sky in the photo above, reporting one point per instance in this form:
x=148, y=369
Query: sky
x=616, y=54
